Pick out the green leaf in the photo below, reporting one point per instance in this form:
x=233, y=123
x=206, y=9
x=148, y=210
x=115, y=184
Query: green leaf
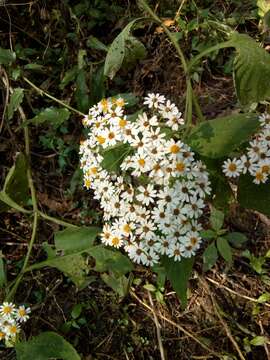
x=96, y=44
x=208, y=234
x=129, y=98
x=15, y=191
x=119, y=284
x=3, y=278
x=263, y=298
x=237, y=239
x=253, y=196
x=251, y=70
x=224, y=249
x=179, y=272
x=216, y=219
x=15, y=101
x=52, y=115
x=81, y=93
x=70, y=75
x=258, y=341
x=7, y=56
x=123, y=46
x=263, y=7
x=210, y=256
x=219, y=137
x=114, y=156
x=70, y=240
x=76, y=311
x=46, y=346
x=110, y=260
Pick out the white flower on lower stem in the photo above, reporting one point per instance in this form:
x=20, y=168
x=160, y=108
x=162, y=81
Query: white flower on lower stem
x=260, y=177
x=7, y=309
x=152, y=258
x=154, y=100
x=116, y=239
x=175, y=251
x=232, y=168
x=146, y=230
x=22, y=313
x=146, y=194
x=174, y=121
x=137, y=253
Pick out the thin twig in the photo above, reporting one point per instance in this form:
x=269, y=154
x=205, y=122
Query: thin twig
x=6, y=83
x=222, y=321
x=265, y=345
x=161, y=349
x=179, y=327
x=234, y=292
x=179, y=10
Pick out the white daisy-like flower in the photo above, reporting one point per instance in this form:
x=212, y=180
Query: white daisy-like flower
x=146, y=194
x=154, y=100
x=232, y=168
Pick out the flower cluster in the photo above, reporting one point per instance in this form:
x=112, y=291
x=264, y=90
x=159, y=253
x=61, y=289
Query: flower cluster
x=256, y=161
x=153, y=200
x=10, y=320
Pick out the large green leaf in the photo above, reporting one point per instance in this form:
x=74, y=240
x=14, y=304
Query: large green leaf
x=210, y=256
x=253, y=196
x=52, y=115
x=251, y=70
x=124, y=47
x=46, y=346
x=219, y=137
x=114, y=156
x=7, y=56
x=70, y=240
x=15, y=101
x=263, y=7
x=15, y=190
x=179, y=272
x=224, y=249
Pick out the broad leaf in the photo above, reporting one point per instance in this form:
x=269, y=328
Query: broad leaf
x=237, y=239
x=70, y=240
x=81, y=93
x=208, y=234
x=7, y=56
x=263, y=7
x=52, y=115
x=123, y=46
x=114, y=156
x=179, y=272
x=70, y=75
x=219, y=137
x=14, y=102
x=253, y=196
x=96, y=44
x=224, y=249
x=216, y=219
x=210, y=256
x=46, y=346
x=15, y=190
x=119, y=284
x=251, y=70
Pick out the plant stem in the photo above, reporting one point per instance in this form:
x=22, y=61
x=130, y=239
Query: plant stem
x=222, y=45
x=57, y=221
x=42, y=92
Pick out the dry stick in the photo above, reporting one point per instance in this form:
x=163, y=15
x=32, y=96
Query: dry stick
x=6, y=83
x=179, y=10
x=179, y=327
x=234, y=292
x=222, y=321
x=264, y=345
x=161, y=349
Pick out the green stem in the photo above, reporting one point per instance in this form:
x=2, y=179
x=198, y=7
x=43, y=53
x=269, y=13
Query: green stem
x=197, y=108
x=57, y=221
x=222, y=45
x=42, y=92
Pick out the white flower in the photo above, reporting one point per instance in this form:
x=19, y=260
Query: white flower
x=147, y=194
x=22, y=313
x=174, y=121
x=168, y=109
x=232, y=168
x=175, y=251
x=154, y=100
x=7, y=309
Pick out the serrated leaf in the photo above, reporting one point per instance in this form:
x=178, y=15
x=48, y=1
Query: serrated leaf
x=46, y=346
x=263, y=298
x=219, y=137
x=52, y=115
x=70, y=240
x=258, y=341
x=236, y=239
x=7, y=56
x=263, y=7
x=15, y=191
x=210, y=256
x=113, y=157
x=179, y=272
x=216, y=219
x=118, y=50
x=14, y=102
x=224, y=249
x=251, y=70
x=119, y=284
x=253, y=196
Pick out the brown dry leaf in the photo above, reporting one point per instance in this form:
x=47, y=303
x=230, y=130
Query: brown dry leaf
x=167, y=22
x=52, y=204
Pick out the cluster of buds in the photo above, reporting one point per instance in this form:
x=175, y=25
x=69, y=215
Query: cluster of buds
x=256, y=161
x=153, y=200
x=11, y=319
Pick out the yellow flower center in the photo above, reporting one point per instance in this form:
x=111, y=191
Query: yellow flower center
x=232, y=167
x=259, y=176
x=7, y=310
x=180, y=166
x=141, y=162
x=122, y=123
x=126, y=228
x=265, y=169
x=87, y=183
x=101, y=139
x=111, y=135
x=174, y=149
x=115, y=241
x=22, y=312
x=13, y=329
x=120, y=102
